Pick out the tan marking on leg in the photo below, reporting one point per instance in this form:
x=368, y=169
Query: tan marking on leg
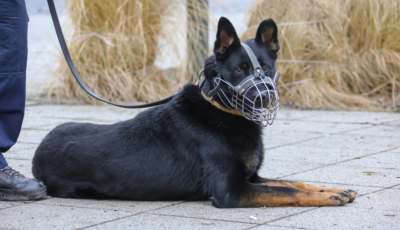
x=312, y=188
x=307, y=187
x=300, y=198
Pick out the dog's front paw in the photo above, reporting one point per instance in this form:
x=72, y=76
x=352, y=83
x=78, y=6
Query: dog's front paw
x=345, y=197
x=324, y=199
x=352, y=195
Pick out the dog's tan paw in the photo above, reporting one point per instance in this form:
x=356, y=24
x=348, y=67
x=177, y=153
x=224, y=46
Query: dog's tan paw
x=345, y=197
x=324, y=199
x=352, y=195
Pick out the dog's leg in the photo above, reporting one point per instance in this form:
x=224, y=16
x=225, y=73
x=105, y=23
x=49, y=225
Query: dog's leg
x=246, y=194
x=306, y=187
x=277, y=196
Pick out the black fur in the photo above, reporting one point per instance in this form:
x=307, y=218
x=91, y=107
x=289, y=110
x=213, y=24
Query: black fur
x=186, y=149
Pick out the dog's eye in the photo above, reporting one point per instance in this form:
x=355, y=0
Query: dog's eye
x=265, y=68
x=239, y=69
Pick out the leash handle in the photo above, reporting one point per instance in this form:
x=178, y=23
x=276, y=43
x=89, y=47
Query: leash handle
x=71, y=65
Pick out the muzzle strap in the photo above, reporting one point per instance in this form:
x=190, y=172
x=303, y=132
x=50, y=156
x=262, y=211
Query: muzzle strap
x=258, y=72
x=205, y=89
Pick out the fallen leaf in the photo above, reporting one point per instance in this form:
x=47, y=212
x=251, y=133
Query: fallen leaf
x=370, y=172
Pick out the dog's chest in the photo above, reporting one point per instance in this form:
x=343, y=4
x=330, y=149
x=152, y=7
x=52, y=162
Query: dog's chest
x=252, y=162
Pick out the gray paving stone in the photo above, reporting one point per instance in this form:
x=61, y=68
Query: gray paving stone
x=276, y=169
x=354, y=117
x=388, y=160
x=381, y=130
x=118, y=205
x=22, y=146
x=293, y=114
x=37, y=216
x=152, y=221
x=314, y=127
x=204, y=210
x=32, y=122
x=270, y=226
x=352, y=175
x=276, y=138
x=32, y=136
x=360, y=142
x=388, y=200
x=301, y=153
x=8, y=204
x=83, y=112
x=21, y=154
x=361, y=190
x=393, y=123
x=49, y=128
x=396, y=149
x=343, y=217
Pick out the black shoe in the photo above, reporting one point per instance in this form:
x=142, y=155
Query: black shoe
x=14, y=186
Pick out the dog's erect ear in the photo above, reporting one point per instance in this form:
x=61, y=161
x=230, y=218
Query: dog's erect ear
x=267, y=33
x=226, y=37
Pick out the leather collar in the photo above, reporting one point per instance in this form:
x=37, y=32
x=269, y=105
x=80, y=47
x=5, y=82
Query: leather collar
x=216, y=104
x=207, y=95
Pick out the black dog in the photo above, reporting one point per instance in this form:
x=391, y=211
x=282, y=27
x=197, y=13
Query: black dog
x=187, y=149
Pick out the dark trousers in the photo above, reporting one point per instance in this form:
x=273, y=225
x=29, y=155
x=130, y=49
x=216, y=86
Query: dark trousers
x=13, y=58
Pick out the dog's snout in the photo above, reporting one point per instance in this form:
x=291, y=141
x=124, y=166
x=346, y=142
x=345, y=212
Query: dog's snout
x=269, y=86
x=263, y=100
x=262, y=94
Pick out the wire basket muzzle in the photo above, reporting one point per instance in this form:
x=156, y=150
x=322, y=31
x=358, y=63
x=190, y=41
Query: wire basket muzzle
x=256, y=98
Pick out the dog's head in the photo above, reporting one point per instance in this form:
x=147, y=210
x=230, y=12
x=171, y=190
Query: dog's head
x=249, y=86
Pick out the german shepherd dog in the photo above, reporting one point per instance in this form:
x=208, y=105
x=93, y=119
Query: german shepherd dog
x=188, y=149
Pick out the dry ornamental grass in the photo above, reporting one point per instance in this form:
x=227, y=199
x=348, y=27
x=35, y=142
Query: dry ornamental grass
x=115, y=45
x=345, y=52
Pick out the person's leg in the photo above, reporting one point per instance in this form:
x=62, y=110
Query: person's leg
x=13, y=59
x=3, y=162
x=12, y=105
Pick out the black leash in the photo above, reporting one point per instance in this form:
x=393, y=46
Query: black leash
x=71, y=65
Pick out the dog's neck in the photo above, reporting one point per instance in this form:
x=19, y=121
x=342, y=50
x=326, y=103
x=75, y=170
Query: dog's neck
x=202, y=86
x=216, y=104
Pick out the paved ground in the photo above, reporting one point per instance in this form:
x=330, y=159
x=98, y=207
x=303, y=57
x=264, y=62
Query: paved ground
x=352, y=150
